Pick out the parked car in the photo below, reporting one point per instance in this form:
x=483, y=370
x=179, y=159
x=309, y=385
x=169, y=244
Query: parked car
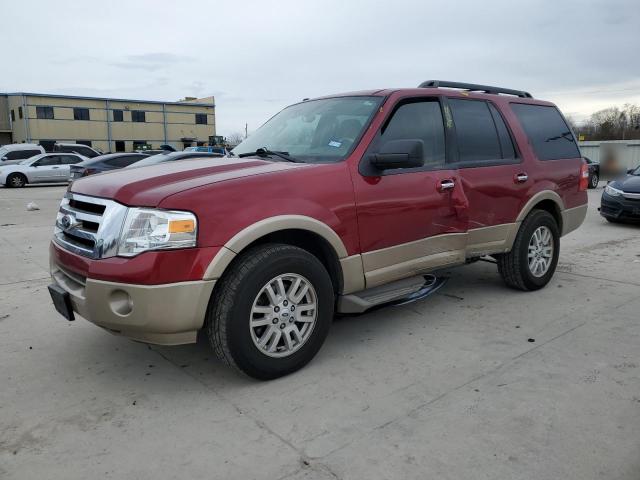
x=171, y=157
x=336, y=204
x=17, y=152
x=105, y=163
x=620, y=200
x=221, y=150
x=594, y=172
x=43, y=168
x=79, y=148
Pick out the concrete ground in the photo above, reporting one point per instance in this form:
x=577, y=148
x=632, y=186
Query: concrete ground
x=475, y=382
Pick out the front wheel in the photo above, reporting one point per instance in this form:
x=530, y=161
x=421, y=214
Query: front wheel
x=593, y=181
x=271, y=312
x=16, y=180
x=532, y=261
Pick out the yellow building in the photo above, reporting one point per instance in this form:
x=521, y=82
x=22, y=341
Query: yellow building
x=106, y=124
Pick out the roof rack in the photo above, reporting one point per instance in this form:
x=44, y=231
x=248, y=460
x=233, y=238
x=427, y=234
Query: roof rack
x=472, y=87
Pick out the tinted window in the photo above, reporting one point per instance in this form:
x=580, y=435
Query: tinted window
x=44, y=113
x=476, y=133
x=121, y=162
x=70, y=159
x=419, y=121
x=84, y=142
x=117, y=116
x=22, y=154
x=506, y=143
x=137, y=116
x=81, y=114
x=119, y=146
x=48, y=161
x=548, y=133
x=201, y=118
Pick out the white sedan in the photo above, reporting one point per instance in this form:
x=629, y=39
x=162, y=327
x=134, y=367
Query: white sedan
x=43, y=168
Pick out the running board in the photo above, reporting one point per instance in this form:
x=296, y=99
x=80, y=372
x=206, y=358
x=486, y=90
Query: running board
x=398, y=293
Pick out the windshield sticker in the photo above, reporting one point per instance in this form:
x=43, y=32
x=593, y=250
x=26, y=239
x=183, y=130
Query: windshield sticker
x=333, y=143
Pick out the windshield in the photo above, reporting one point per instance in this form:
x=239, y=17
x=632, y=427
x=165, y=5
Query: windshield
x=323, y=130
x=636, y=171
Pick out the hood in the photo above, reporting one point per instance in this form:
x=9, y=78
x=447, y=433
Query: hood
x=147, y=186
x=629, y=184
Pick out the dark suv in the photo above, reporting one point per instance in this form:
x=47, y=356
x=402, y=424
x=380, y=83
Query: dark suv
x=336, y=204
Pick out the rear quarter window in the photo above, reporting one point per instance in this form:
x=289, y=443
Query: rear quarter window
x=548, y=133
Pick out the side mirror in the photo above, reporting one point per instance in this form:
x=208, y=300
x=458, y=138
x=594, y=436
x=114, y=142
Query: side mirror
x=399, y=154
x=4, y=159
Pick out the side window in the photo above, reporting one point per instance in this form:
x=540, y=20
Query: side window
x=22, y=154
x=547, y=131
x=506, y=142
x=418, y=121
x=125, y=161
x=70, y=159
x=48, y=161
x=476, y=134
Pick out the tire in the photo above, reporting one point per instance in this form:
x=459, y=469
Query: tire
x=232, y=307
x=16, y=180
x=514, y=267
x=613, y=220
x=593, y=180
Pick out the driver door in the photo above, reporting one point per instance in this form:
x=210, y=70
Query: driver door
x=46, y=169
x=410, y=220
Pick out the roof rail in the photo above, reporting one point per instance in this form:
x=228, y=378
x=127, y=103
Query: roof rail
x=472, y=87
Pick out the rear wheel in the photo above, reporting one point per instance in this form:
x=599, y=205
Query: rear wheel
x=271, y=312
x=593, y=181
x=532, y=261
x=16, y=180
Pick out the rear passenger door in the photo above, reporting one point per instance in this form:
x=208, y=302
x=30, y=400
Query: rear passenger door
x=490, y=170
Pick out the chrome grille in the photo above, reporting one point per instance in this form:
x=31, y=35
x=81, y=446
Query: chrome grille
x=89, y=226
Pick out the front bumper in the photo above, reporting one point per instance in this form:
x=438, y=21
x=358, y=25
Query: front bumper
x=620, y=208
x=168, y=314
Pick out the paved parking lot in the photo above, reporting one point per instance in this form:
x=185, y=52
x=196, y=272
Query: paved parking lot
x=477, y=381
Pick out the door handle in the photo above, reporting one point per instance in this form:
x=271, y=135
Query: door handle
x=447, y=185
x=521, y=177
x=53, y=168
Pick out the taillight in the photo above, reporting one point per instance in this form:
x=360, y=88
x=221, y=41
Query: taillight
x=584, y=177
x=88, y=171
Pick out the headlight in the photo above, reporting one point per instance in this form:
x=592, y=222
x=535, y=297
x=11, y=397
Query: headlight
x=614, y=192
x=149, y=229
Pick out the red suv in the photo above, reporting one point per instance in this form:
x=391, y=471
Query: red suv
x=336, y=204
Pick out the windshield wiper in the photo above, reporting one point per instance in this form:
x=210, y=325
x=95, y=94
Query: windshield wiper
x=265, y=152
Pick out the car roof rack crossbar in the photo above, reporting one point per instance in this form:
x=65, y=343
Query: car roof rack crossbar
x=472, y=87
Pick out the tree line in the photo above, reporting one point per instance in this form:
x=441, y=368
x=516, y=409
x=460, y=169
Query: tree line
x=611, y=123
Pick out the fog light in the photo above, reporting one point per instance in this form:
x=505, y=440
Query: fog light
x=120, y=303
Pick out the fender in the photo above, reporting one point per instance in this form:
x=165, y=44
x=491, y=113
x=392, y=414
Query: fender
x=353, y=275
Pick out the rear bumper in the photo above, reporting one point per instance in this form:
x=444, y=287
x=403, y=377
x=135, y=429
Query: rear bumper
x=168, y=314
x=572, y=218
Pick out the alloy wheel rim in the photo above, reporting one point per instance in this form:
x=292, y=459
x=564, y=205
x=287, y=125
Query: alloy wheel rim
x=283, y=315
x=540, y=252
x=16, y=181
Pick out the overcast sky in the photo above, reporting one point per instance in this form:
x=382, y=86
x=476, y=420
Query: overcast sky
x=256, y=57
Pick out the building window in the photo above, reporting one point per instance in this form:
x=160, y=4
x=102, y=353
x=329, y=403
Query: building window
x=47, y=145
x=43, y=113
x=139, y=144
x=119, y=145
x=13, y=115
x=118, y=116
x=81, y=114
x=201, y=118
x=200, y=144
x=20, y=112
x=84, y=142
x=138, y=116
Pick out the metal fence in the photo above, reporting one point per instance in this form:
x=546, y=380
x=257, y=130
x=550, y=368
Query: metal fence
x=627, y=152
